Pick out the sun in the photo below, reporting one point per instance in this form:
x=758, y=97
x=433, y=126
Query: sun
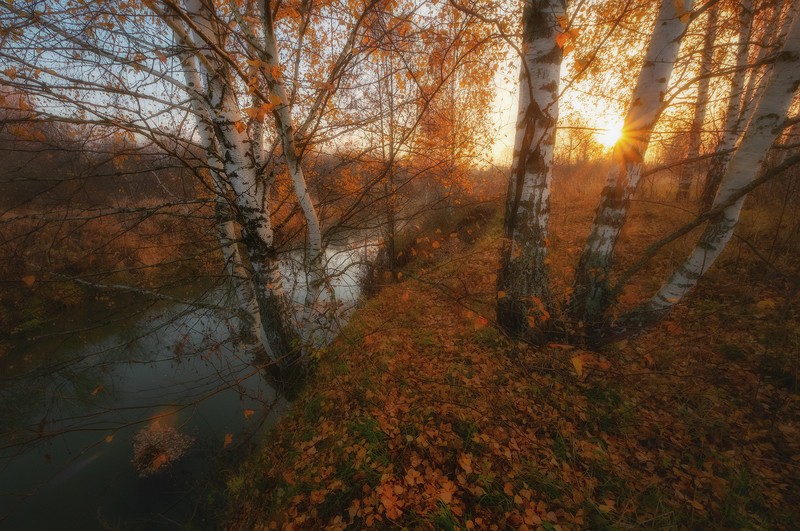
x=609, y=134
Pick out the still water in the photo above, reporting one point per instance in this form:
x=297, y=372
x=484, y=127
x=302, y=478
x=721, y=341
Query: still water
x=72, y=398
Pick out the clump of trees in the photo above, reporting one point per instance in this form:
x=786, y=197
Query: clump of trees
x=525, y=306
x=247, y=97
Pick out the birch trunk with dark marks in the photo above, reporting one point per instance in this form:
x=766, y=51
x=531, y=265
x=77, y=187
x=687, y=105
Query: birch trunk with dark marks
x=733, y=123
x=764, y=128
x=590, y=296
x=523, y=280
x=314, y=266
x=253, y=335
x=701, y=104
x=238, y=173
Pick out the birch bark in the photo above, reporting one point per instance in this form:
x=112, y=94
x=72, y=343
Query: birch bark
x=733, y=122
x=701, y=104
x=240, y=172
x=523, y=280
x=314, y=266
x=590, y=296
x=764, y=128
x=254, y=337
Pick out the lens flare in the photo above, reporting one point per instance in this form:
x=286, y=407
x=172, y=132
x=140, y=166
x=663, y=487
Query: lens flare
x=609, y=134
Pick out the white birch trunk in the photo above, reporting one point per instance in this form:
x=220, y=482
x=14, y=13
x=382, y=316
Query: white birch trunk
x=241, y=172
x=762, y=131
x=283, y=123
x=523, y=281
x=249, y=311
x=590, y=295
x=701, y=104
x=733, y=124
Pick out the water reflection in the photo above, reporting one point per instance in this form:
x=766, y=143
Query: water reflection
x=71, y=404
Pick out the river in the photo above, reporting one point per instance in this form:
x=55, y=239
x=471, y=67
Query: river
x=74, y=396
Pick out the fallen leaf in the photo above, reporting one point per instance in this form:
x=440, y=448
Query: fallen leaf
x=465, y=461
x=577, y=362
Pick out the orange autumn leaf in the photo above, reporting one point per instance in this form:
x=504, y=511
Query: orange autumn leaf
x=29, y=280
x=391, y=504
x=446, y=492
x=577, y=363
x=228, y=440
x=159, y=461
x=435, y=244
x=465, y=462
x=248, y=413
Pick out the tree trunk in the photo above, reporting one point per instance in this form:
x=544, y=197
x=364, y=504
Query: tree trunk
x=733, y=121
x=239, y=170
x=701, y=104
x=314, y=266
x=523, y=280
x=764, y=128
x=590, y=296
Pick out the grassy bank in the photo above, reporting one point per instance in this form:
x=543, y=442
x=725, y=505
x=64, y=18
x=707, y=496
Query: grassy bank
x=422, y=415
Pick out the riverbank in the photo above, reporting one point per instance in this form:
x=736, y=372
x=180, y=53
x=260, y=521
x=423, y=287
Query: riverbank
x=422, y=415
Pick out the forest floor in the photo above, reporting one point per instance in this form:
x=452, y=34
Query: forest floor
x=423, y=415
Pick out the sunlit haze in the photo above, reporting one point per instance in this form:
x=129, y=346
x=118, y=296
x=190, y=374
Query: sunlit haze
x=609, y=134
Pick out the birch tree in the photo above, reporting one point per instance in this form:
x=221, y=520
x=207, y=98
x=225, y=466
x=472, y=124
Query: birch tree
x=701, y=104
x=732, y=120
x=141, y=66
x=590, y=295
x=765, y=126
x=523, y=280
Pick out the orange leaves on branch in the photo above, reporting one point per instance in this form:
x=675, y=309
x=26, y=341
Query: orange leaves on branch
x=29, y=280
x=258, y=113
x=11, y=73
x=228, y=440
x=248, y=413
x=565, y=40
x=322, y=85
x=681, y=11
